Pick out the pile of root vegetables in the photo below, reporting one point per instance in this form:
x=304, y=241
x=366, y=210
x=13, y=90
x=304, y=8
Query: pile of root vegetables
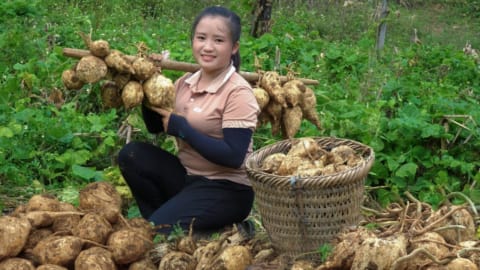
x=127, y=80
x=46, y=233
x=410, y=236
x=307, y=158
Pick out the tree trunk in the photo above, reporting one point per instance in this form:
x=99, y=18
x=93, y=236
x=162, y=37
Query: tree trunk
x=261, y=18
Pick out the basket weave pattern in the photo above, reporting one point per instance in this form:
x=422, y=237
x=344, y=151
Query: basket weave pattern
x=301, y=214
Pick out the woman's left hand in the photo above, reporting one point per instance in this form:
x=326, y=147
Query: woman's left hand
x=165, y=116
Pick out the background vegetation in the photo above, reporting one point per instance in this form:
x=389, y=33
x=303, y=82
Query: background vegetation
x=416, y=104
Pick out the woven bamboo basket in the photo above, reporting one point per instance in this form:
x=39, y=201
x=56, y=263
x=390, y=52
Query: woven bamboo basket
x=301, y=214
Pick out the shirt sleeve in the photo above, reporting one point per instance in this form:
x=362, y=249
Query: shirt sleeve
x=229, y=151
x=241, y=110
x=153, y=120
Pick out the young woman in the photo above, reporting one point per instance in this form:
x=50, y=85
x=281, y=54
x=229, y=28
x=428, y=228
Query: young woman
x=213, y=121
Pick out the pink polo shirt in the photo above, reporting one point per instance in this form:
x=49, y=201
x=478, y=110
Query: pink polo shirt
x=228, y=102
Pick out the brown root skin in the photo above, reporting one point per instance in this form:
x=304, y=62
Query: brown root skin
x=232, y=258
x=308, y=103
x=262, y=97
x=70, y=80
x=143, y=68
x=177, y=260
x=111, y=95
x=128, y=245
x=51, y=267
x=102, y=198
x=160, y=91
x=187, y=243
x=91, y=69
x=117, y=60
x=99, y=48
x=46, y=218
x=14, y=234
x=16, y=264
x=84, y=228
x=94, y=258
x=43, y=202
x=270, y=81
x=132, y=94
x=291, y=121
x=293, y=91
x=274, y=111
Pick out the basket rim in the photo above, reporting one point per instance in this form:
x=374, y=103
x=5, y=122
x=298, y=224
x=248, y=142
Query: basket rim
x=361, y=170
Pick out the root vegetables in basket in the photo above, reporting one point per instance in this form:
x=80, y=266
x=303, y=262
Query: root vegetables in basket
x=307, y=158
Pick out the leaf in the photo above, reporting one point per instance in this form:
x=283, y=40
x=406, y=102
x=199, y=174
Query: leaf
x=6, y=132
x=85, y=172
x=407, y=170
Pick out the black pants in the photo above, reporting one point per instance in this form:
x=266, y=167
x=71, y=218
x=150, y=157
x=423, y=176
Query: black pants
x=166, y=195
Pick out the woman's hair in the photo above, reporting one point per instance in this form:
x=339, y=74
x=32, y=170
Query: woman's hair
x=234, y=25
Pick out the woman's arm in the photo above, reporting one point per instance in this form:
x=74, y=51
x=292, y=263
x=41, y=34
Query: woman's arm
x=153, y=120
x=229, y=151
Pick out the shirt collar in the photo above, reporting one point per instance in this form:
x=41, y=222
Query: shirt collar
x=216, y=84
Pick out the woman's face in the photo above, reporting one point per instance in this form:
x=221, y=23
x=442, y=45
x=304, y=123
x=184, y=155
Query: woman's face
x=212, y=44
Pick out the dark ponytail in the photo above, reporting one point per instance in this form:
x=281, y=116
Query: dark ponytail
x=234, y=24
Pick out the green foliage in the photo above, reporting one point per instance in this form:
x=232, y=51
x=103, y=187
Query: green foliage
x=325, y=251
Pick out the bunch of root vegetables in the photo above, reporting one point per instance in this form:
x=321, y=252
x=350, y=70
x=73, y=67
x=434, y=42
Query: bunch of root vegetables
x=306, y=157
x=125, y=80
x=285, y=105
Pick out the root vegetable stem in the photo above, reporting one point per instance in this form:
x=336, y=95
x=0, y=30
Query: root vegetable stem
x=399, y=263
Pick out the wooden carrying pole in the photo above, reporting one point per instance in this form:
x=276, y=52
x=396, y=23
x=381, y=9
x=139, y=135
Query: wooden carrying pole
x=181, y=66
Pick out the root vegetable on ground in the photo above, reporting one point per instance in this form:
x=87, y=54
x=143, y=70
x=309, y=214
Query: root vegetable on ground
x=128, y=246
x=16, y=264
x=93, y=227
x=43, y=202
x=177, y=260
x=95, y=258
x=51, y=267
x=102, y=198
x=232, y=258
x=143, y=264
x=45, y=218
x=59, y=250
x=14, y=234
x=449, y=228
